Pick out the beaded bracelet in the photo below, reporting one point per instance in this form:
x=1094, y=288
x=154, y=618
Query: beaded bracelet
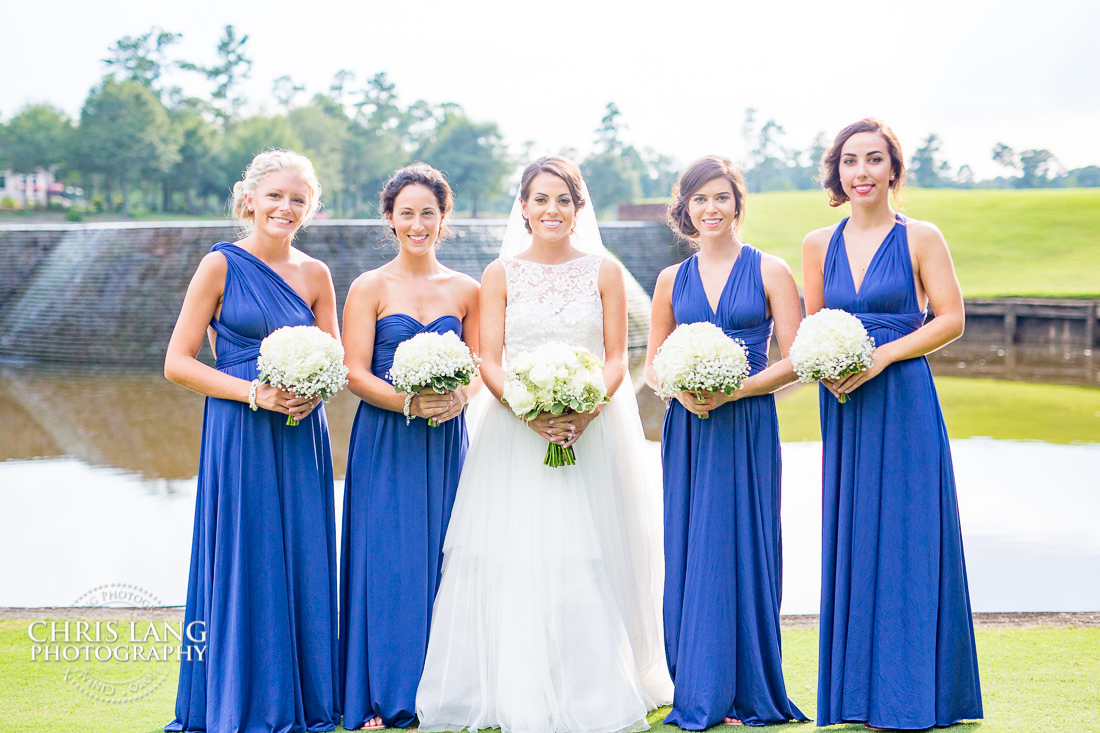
x=408, y=404
x=252, y=394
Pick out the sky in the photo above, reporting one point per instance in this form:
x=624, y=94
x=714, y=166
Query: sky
x=974, y=72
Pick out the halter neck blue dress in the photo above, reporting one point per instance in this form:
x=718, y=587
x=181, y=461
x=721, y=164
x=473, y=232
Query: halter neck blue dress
x=897, y=640
x=723, y=549
x=398, y=493
x=262, y=584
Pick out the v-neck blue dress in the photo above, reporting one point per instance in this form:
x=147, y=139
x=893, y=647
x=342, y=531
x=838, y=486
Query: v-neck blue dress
x=723, y=550
x=263, y=559
x=398, y=493
x=897, y=640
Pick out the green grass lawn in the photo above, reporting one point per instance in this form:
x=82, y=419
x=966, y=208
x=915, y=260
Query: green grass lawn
x=1033, y=679
x=1052, y=413
x=1039, y=242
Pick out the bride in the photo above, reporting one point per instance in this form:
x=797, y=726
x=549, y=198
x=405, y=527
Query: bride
x=548, y=612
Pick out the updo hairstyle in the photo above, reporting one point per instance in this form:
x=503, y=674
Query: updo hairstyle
x=263, y=165
x=564, y=169
x=697, y=175
x=424, y=175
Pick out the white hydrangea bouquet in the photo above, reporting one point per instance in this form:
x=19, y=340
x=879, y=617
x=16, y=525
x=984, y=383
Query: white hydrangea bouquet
x=831, y=344
x=441, y=361
x=304, y=360
x=553, y=378
x=699, y=357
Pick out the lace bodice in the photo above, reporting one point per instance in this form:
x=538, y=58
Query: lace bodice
x=553, y=303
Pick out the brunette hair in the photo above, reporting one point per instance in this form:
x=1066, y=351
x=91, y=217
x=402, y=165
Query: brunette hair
x=697, y=175
x=263, y=165
x=564, y=169
x=830, y=162
x=420, y=174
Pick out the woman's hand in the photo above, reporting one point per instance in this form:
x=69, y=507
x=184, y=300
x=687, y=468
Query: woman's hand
x=431, y=405
x=563, y=429
x=852, y=382
x=277, y=400
x=703, y=403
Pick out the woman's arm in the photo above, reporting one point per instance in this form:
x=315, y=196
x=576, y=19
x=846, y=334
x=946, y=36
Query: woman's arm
x=181, y=364
x=360, y=320
x=443, y=407
x=786, y=313
x=492, y=301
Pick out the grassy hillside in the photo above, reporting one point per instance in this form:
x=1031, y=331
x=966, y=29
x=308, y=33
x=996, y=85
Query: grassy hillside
x=1041, y=242
x=978, y=408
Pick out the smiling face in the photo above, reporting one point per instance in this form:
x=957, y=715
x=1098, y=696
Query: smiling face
x=280, y=204
x=549, y=209
x=713, y=208
x=865, y=168
x=416, y=218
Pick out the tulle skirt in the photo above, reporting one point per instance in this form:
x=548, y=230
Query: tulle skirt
x=548, y=613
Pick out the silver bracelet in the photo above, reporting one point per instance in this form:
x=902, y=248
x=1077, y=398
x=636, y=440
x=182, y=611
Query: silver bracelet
x=408, y=404
x=252, y=394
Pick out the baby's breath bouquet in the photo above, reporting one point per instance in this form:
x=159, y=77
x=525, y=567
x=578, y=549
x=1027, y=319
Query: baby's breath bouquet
x=553, y=378
x=304, y=360
x=831, y=344
x=441, y=361
x=699, y=357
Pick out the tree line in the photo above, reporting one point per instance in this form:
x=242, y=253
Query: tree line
x=142, y=143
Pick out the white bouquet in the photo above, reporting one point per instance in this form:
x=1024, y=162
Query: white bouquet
x=699, y=357
x=831, y=344
x=304, y=360
x=553, y=378
x=441, y=361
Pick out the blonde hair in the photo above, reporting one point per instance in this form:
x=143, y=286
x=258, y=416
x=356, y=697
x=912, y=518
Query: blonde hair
x=263, y=165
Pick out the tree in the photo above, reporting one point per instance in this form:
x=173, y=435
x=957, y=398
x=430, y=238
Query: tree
x=614, y=171
x=471, y=154
x=1037, y=167
x=195, y=174
x=927, y=167
x=232, y=69
x=767, y=167
x=125, y=134
x=142, y=59
x=38, y=137
x=285, y=90
x=248, y=137
x=323, y=130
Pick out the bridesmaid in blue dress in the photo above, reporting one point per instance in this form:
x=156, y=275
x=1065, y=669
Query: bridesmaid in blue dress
x=402, y=474
x=263, y=561
x=723, y=554
x=896, y=640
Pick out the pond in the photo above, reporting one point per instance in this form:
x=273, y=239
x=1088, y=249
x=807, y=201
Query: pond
x=97, y=483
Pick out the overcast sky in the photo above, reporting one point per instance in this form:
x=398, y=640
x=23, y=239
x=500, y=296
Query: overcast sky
x=976, y=72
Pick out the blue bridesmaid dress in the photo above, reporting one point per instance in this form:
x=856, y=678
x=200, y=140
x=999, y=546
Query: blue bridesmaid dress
x=897, y=641
x=398, y=493
x=723, y=553
x=262, y=585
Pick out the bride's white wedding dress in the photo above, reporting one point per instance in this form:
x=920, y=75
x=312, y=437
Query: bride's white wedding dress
x=548, y=613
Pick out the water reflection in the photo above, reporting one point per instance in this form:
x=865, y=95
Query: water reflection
x=97, y=479
x=1054, y=364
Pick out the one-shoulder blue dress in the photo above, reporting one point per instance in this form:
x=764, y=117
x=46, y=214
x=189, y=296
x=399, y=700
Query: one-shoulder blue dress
x=897, y=640
x=398, y=493
x=723, y=550
x=262, y=585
